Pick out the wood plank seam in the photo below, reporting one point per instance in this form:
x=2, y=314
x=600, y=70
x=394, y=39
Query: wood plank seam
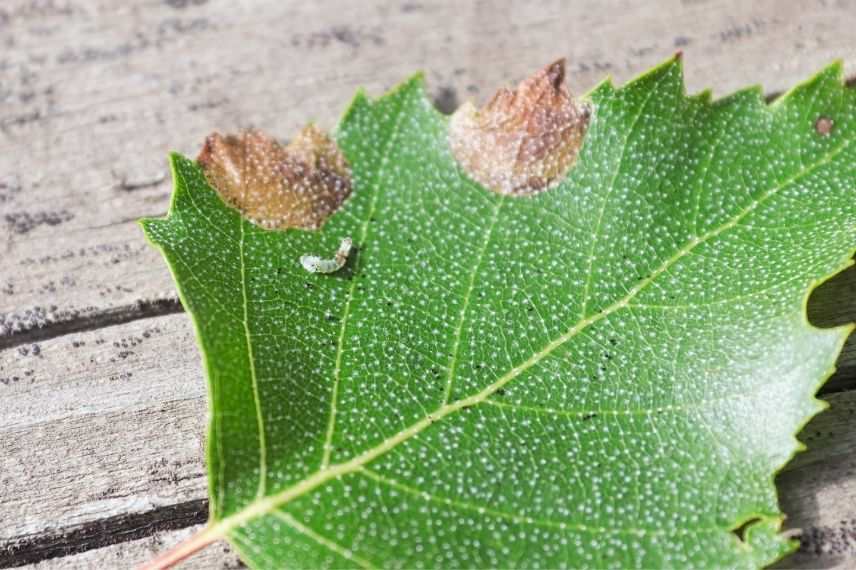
x=78, y=322
x=104, y=532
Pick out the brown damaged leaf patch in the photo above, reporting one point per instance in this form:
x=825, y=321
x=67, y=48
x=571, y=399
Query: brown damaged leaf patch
x=274, y=186
x=524, y=140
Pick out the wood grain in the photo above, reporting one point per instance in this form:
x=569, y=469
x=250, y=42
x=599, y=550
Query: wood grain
x=103, y=404
x=95, y=93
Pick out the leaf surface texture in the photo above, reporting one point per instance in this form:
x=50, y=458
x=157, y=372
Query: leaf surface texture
x=604, y=374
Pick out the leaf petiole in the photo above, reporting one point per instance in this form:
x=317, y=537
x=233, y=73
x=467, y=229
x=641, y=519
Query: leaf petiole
x=185, y=548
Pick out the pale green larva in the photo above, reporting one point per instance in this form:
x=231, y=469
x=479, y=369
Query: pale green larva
x=314, y=264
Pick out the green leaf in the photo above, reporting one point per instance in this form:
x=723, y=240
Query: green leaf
x=605, y=374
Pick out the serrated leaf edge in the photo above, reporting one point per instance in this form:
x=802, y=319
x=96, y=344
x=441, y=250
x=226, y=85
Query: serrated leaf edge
x=267, y=504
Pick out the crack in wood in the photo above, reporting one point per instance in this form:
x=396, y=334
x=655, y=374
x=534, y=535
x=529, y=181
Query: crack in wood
x=77, y=321
x=101, y=533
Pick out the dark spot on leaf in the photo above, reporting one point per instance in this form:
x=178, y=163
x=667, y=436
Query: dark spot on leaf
x=823, y=125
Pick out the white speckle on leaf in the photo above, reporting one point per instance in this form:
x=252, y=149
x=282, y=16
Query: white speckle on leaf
x=606, y=373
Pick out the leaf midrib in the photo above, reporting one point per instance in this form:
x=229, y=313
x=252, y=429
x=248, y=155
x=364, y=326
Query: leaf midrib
x=265, y=505
x=471, y=283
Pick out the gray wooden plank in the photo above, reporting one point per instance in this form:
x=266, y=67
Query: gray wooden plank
x=92, y=96
x=817, y=490
x=100, y=424
x=108, y=425
x=95, y=93
x=125, y=368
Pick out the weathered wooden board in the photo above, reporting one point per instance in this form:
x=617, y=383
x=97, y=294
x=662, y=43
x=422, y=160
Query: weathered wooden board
x=94, y=93
x=101, y=430
x=817, y=489
x=100, y=426
x=102, y=442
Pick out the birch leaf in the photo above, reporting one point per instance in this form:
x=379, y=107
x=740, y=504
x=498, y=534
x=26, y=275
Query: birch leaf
x=604, y=370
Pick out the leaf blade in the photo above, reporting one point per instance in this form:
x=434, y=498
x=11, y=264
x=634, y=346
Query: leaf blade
x=391, y=415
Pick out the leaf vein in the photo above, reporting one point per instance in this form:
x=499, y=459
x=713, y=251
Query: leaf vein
x=330, y=545
x=471, y=282
x=327, y=448
x=549, y=523
x=609, y=191
x=266, y=504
